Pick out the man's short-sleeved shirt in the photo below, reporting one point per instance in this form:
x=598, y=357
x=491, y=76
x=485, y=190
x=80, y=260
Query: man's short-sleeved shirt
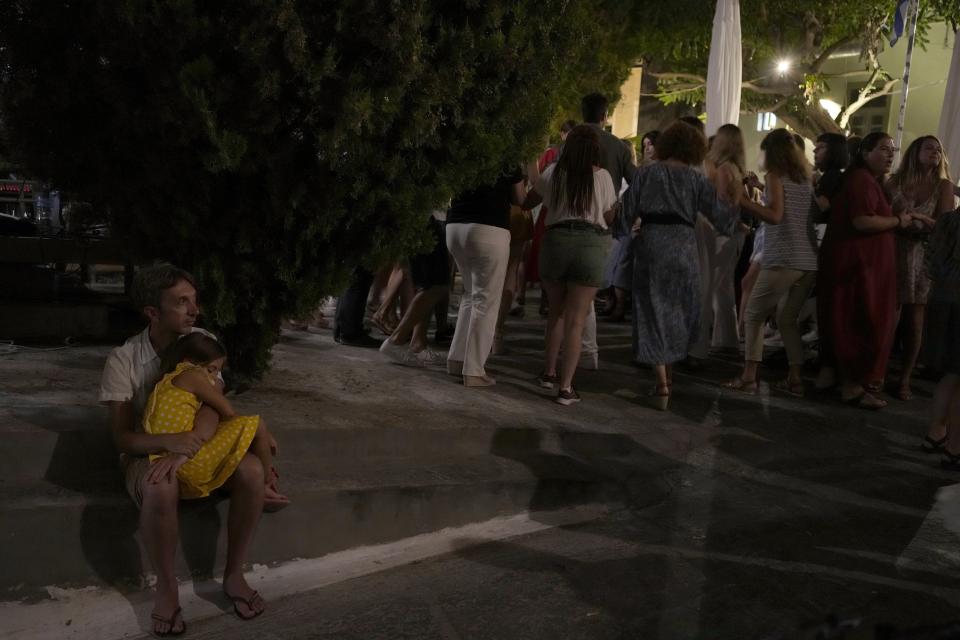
x=131, y=372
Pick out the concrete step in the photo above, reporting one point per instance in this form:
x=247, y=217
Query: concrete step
x=90, y=538
x=369, y=452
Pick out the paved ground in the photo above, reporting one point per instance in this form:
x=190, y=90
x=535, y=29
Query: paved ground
x=730, y=516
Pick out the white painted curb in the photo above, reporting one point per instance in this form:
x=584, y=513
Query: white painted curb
x=95, y=612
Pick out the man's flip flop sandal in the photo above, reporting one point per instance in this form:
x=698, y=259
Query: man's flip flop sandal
x=171, y=622
x=933, y=446
x=254, y=597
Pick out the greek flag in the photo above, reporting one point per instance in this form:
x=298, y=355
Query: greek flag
x=899, y=20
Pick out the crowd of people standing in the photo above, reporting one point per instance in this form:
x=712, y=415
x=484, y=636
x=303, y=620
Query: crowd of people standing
x=841, y=246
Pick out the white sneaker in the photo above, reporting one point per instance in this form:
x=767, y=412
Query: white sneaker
x=426, y=358
x=395, y=352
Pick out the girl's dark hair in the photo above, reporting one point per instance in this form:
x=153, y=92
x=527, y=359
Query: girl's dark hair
x=868, y=144
x=568, y=126
x=853, y=147
x=651, y=136
x=838, y=155
x=196, y=347
x=572, y=180
x=783, y=157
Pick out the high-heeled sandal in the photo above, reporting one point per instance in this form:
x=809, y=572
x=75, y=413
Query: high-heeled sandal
x=929, y=445
x=741, y=385
x=867, y=401
x=659, y=397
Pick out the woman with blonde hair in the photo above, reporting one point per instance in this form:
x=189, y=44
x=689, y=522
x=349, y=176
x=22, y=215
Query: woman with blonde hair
x=921, y=184
x=725, y=166
x=789, y=264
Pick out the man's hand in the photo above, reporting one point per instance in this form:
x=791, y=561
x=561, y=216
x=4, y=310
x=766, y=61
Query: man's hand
x=165, y=469
x=186, y=443
x=271, y=441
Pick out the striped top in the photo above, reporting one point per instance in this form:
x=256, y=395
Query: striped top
x=792, y=243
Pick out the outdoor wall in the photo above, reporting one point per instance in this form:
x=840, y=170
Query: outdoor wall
x=627, y=112
x=928, y=75
x=927, y=85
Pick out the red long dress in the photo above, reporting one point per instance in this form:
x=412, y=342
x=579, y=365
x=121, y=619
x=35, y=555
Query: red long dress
x=860, y=274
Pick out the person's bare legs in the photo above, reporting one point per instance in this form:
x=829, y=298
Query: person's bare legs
x=419, y=312
x=380, y=281
x=246, y=487
x=952, y=420
x=947, y=388
x=576, y=306
x=385, y=316
x=913, y=314
x=554, y=331
x=663, y=373
x=619, y=305
x=521, y=290
x=660, y=396
x=159, y=528
x=510, y=285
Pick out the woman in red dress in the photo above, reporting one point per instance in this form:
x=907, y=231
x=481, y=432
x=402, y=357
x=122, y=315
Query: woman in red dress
x=860, y=275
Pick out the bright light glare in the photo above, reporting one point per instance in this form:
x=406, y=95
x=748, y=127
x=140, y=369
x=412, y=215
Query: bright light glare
x=783, y=66
x=831, y=107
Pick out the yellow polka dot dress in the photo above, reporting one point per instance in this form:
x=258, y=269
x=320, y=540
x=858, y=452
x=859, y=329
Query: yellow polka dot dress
x=171, y=409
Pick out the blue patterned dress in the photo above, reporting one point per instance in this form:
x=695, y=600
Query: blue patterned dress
x=666, y=267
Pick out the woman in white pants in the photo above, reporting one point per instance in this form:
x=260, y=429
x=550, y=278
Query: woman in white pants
x=478, y=237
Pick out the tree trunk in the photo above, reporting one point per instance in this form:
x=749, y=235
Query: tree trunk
x=809, y=120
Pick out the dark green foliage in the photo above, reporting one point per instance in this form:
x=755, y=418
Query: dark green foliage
x=269, y=146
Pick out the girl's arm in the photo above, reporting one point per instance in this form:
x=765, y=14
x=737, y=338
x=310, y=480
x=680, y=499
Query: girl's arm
x=197, y=383
x=773, y=212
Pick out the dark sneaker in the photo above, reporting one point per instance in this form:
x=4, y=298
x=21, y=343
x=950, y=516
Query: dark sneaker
x=567, y=397
x=546, y=381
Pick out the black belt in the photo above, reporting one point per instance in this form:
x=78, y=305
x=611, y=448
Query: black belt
x=664, y=218
x=578, y=225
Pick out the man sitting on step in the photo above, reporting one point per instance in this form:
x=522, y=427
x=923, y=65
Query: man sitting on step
x=167, y=296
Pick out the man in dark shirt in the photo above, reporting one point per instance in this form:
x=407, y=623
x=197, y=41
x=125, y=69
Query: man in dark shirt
x=616, y=158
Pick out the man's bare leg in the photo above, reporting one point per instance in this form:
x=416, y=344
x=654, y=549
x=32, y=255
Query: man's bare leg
x=246, y=487
x=159, y=527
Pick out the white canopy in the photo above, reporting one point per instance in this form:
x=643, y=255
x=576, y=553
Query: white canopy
x=949, y=132
x=725, y=70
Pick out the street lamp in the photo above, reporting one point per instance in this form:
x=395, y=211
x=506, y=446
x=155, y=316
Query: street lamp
x=783, y=66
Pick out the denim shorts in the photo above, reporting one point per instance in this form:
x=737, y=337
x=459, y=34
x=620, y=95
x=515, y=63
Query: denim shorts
x=574, y=256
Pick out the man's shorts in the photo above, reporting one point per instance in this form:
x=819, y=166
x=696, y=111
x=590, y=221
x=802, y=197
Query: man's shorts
x=134, y=469
x=432, y=269
x=574, y=256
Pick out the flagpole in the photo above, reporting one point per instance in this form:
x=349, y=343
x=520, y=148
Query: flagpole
x=905, y=91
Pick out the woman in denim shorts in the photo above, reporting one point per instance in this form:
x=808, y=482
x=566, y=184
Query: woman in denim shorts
x=581, y=202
